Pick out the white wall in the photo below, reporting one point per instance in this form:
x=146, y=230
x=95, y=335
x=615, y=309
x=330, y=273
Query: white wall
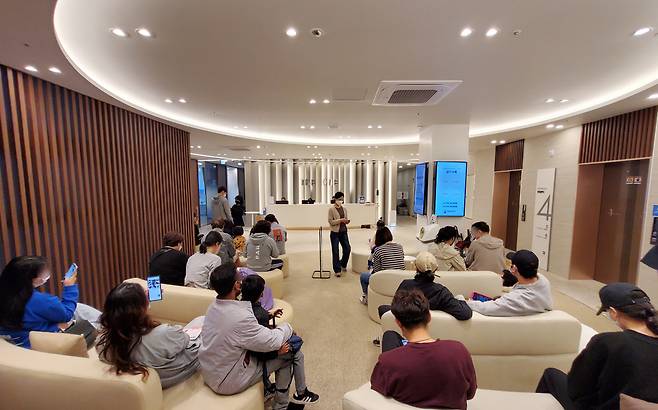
x=480, y=171
x=405, y=183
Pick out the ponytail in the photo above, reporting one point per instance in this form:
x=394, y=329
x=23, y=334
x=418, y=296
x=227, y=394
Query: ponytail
x=643, y=310
x=651, y=318
x=213, y=238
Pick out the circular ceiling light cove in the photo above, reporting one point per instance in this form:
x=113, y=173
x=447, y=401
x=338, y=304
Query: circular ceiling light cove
x=291, y=32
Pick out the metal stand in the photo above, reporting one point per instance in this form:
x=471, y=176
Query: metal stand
x=320, y=271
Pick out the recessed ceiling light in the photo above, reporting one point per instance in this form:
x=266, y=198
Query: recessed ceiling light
x=302, y=127
x=642, y=31
x=653, y=97
x=562, y=101
x=312, y=127
x=501, y=141
x=308, y=146
x=291, y=32
x=245, y=127
x=168, y=100
x=559, y=127
x=467, y=31
x=312, y=101
x=550, y=126
x=198, y=146
x=182, y=100
x=362, y=154
x=191, y=146
x=258, y=146
x=376, y=147
x=118, y=32
x=368, y=154
x=249, y=157
x=267, y=154
x=315, y=146
x=239, y=163
x=368, y=146
x=31, y=68
x=408, y=163
x=492, y=32
x=325, y=101
x=144, y=32
x=494, y=141
x=549, y=100
x=369, y=126
x=55, y=70
x=379, y=126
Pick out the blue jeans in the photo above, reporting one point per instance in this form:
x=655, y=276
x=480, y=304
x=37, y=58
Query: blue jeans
x=365, y=281
x=336, y=238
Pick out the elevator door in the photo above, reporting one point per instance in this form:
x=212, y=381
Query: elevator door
x=620, y=221
x=513, y=209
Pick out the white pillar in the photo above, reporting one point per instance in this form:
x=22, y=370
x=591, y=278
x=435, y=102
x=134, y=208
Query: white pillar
x=369, y=178
x=380, y=189
x=352, y=178
x=339, y=170
x=261, y=185
x=390, y=215
x=323, y=181
x=290, y=177
x=316, y=177
x=268, y=182
x=300, y=181
x=278, y=180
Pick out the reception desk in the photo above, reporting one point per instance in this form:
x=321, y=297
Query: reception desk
x=313, y=216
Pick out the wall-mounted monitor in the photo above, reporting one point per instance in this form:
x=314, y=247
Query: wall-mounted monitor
x=420, y=189
x=450, y=188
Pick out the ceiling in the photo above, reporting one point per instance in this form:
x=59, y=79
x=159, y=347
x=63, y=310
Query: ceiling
x=234, y=64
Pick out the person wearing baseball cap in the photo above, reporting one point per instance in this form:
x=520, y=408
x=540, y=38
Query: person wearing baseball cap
x=613, y=363
x=530, y=295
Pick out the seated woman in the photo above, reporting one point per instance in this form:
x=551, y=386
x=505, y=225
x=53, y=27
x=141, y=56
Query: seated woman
x=22, y=309
x=201, y=264
x=386, y=255
x=443, y=249
x=613, y=362
x=132, y=342
x=416, y=369
x=278, y=233
x=439, y=297
x=261, y=249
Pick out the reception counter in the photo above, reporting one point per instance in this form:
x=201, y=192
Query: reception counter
x=313, y=216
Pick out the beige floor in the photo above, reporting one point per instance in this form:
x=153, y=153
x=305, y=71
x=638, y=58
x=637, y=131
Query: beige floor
x=335, y=326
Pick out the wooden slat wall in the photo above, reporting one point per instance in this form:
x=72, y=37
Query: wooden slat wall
x=624, y=137
x=509, y=156
x=84, y=181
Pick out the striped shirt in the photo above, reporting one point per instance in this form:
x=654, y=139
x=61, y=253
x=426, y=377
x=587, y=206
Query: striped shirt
x=388, y=256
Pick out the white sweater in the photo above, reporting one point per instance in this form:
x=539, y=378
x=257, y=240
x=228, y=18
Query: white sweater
x=522, y=300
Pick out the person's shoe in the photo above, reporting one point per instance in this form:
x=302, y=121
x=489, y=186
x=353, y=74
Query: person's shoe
x=364, y=300
x=307, y=398
x=337, y=274
x=376, y=342
x=343, y=269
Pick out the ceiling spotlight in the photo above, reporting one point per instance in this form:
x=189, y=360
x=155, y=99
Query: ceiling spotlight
x=291, y=32
x=168, y=100
x=245, y=127
x=408, y=163
x=31, y=68
x=549, y=100
x=642, y=31
x=368, y=154
x=118, y=32
x=312, y=127
x=549, y=126
x=653, y=97
x=376, y=147
x=492, y=32
x=559, y=127
x=362, y=154
x=267, y=154
x=315, y=146
x=494, y=142
x=369, y=126
x=144, y=32
x=192, y=146
x=312, y=101
x=55, y=70
x=258, y=146
x=182, y=100
x=562, y=101
x=249, y=157
x=308, y=146
x=302, y=127
x=399, y=166
x=501, y=141
x=325, y=101
x=379, y=126
x=239, y=163
x=198, y=146
x=467, y=31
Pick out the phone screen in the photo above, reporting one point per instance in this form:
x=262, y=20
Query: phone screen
x=72, y=269
x=155, y=288
x=480, y=297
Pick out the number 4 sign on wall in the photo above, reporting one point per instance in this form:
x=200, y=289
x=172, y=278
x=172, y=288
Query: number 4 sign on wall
x=542, y=222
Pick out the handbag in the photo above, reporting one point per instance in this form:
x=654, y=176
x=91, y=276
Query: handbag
x=295, y=343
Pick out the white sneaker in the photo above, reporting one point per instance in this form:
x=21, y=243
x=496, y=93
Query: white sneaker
x=364, y=300
x=343, y=269
x=337, y=274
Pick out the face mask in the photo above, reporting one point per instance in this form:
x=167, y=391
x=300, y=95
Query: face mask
x=339, y=201
x=43, y=281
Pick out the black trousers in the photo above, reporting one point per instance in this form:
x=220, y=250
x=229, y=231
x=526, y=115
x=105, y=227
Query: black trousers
x=554, y=381
x=391, y=340
x=344, y=241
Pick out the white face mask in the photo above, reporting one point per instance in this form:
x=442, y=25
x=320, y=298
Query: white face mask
x=42, y=282
x=339, y=202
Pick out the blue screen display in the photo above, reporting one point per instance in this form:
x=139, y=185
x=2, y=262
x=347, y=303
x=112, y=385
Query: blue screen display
x=420, y=189
x=450, y=193
x=154, y=287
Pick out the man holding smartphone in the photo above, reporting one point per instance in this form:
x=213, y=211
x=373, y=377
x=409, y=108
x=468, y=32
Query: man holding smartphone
x=338, y=222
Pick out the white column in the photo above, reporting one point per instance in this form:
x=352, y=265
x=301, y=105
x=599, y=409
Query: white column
x=339, y=170
x=359, y=186
x=278, y=180
x=290, y=177
x=352, y=179
x=380, y=189
x=268, y=182
x=323, y=181
x=261, y=185
x=369, y=178
x=300, y=181
x=316, y=177
x=334, y=185
x=390, y=215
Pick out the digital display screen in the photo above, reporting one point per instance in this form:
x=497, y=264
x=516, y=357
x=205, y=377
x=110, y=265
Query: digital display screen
x=420, y=189
x=155, y=288
x=450, y=192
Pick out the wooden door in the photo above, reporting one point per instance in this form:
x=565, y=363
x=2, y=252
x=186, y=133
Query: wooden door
x=513, y=209
x=620, y=221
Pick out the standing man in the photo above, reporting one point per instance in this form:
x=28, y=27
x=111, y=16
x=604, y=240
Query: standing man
x=220, y=208
x=338, y=223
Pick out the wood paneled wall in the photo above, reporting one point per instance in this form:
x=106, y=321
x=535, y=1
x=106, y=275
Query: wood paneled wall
x=509, y=156
x=87, y=182
x=626, y=136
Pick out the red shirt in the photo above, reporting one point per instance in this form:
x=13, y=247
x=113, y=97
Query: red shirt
x=429, y=375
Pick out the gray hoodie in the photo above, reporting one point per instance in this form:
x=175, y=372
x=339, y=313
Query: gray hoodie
x=522, y=300
x=486, y=253
x=260, y=251
x=220, y=209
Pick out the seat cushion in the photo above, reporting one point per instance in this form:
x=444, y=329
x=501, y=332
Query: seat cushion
x=194, y=394
x=286, y=265
x=59, y=343
x=274, y=279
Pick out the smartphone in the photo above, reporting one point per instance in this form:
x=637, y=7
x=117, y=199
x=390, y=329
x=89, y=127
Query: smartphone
x=155, y=288
x=480, y=297
x=404, y=342
x=72, y=269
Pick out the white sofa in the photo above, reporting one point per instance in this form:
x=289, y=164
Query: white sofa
x=509, y=353
x=383, y=285
x=181, y=304
x=364, y=398
x=359, y=258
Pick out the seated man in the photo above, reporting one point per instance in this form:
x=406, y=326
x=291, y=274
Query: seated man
x=170, y=261
x=419, y=370
x=530, y=295
x=230, y=332
x=485, y=252
x=227, y=251
x=439, y=297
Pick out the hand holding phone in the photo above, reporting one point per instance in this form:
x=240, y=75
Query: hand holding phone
x=71, y=276
x=154, y=288
x=277, y=313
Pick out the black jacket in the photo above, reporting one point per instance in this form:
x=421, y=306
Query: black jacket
x=170, y=265
x=440, y=298
x=237, y=211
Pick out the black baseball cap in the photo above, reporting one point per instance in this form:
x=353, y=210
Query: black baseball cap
x=525, y=261
x=620, y=294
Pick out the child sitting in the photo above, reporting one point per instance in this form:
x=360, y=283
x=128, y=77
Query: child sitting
x=239, y=242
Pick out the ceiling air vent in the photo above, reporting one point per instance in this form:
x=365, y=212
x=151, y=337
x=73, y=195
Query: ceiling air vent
x=413, y=93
